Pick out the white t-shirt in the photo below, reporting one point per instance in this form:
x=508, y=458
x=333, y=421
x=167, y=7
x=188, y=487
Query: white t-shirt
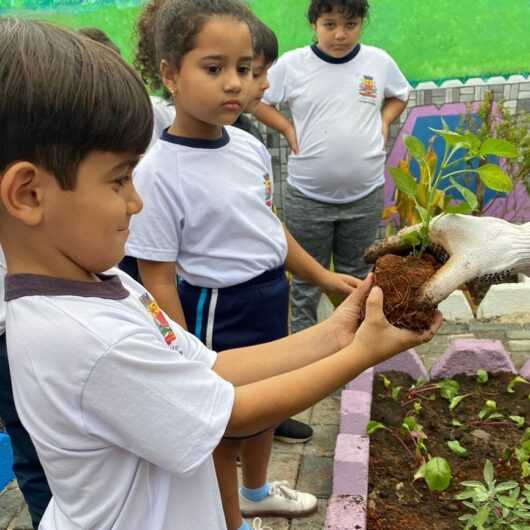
x=121, y=404
x=208, y=207
x=336, y=108
x=3, y=271
x=163, y=116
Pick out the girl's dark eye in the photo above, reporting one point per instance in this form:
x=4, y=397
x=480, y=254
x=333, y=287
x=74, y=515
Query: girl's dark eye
x=213, y=69
x=244, y=70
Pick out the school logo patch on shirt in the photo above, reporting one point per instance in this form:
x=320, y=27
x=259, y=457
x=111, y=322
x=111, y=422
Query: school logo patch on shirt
x=160, y=319
x=268, y=190
x=368, y=89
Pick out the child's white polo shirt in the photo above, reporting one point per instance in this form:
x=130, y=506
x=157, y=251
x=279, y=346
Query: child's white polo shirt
x=336, y=107
x=208, y=207
x=121, y=404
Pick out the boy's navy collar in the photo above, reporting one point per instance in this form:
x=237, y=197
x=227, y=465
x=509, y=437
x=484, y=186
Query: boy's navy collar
x=21, y=285
x=199, y=143
x=336, y=60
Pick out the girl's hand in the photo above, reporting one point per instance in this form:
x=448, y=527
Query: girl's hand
x=337, y=286
x=379, y=340
x=290, y=136
x=345, y=320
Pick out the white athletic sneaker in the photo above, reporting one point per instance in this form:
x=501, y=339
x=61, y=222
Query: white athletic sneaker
x=280, y=502
x=257, y=524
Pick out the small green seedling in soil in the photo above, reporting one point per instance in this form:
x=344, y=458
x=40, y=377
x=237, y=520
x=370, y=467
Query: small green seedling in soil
x=449, y=388
x=518, y=420
x=517, y=380
x=482, y=377
x=393, y=390
x=436, y=472
x=414, y=429
x=374, y=426
x=495, y=506
x=427, y=198
x=417, y=407
x=456, y=448
x=456, y=401
x=522, y=454
x=489, y=411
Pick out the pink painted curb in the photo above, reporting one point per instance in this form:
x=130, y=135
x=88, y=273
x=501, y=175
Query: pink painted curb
x=346, y=512
x=466, y=356
x=362, y=382
x=355, y=408
x=350, y=469
x=407, y=362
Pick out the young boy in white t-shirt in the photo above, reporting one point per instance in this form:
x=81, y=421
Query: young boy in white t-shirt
x=125, y=407
x=343, y=95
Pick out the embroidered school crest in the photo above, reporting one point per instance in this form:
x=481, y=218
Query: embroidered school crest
x=368, y=89
x=159, y=318
x=268, y=190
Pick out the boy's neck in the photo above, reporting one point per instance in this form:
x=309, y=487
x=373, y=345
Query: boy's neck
x=35, y=259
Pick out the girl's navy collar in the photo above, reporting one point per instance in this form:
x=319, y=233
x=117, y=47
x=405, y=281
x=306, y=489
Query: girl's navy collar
x=336, y=60
x=199, y=143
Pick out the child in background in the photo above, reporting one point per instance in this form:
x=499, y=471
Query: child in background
x=207, y=215
x=265, y=54
x=343, y=95
x=123, y=406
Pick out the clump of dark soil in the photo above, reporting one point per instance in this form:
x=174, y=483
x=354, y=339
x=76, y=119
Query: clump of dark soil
x=401, y=279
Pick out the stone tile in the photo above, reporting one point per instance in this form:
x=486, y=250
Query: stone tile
x=23, y=521
x=315, y=522
x=284, y=467
x=326, y=412
x=305, y=416
x=287, y=449
x=11, y=502
x=323, y=441
x=315, y=475
x=274, y=523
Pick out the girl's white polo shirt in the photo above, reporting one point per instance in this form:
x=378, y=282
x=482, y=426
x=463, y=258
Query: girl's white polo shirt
x=336, y=107
x=208, y=207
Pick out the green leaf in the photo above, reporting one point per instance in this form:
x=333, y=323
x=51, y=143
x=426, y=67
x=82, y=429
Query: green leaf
x=451, y=137
x=515, y=381
x=412, y=239
x=518, y=420
x=409, y=423
x=525, y=469
x=482, y=516
x=456, y=401
x=395, y=393
x=498, y=147
x=404, y=181
x=437, y=474
x=509, y=502
x=456, y=448
x=448, y=388
x=482, y=376
x=468, y=195
x=462, y=208
x=495, y=178
x=456, y=423
x=415, y=147
x=488, y=473
x=374, y=426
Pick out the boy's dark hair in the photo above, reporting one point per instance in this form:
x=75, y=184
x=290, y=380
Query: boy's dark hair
x=349, y=8
x=264, y=41
x=63, y=96
x=99, y=36
x=166, y=29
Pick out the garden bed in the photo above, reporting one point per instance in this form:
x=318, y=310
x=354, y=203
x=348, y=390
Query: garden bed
x=395, y=501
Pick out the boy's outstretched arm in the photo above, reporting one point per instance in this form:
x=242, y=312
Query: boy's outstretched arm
x=308, y=269
x=274, y=119
x=160, y=279
x=259, y=405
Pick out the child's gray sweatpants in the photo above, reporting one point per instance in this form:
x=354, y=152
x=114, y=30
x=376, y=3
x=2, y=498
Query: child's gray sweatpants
x=343, y=231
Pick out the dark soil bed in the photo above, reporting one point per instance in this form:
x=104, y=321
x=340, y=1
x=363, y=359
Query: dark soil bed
x=395, y=501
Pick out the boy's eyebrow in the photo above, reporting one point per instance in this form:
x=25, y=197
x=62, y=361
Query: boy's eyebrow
x=126, y=164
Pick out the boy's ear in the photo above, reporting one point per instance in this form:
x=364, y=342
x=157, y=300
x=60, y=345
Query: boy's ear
x=22, y=191
x=169, y=76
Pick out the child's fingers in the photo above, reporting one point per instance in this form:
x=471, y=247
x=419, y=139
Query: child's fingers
x=374, y=303
x=358, y=295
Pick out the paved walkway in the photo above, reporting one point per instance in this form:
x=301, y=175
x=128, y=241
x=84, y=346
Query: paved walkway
x=307, y=467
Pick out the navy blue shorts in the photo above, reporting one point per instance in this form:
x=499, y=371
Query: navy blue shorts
x=246, y=314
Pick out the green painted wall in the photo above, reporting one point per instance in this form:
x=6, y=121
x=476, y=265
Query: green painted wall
x=431, y=40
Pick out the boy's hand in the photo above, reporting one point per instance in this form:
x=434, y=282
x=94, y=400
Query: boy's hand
x=290, y=136
x=345, y=320
x=379, y=340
